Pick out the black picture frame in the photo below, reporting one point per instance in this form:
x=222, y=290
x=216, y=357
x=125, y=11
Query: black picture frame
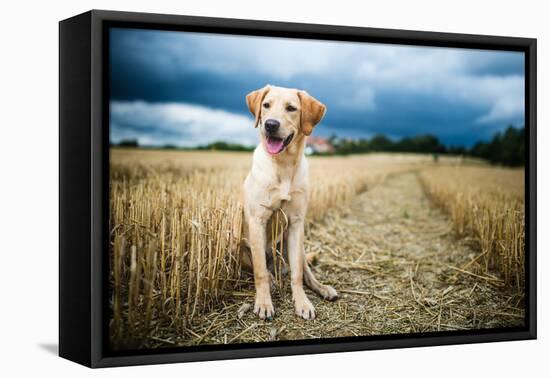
x=83, y=182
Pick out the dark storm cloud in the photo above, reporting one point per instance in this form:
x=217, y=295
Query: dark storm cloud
x=460, y=96
x=484, y=63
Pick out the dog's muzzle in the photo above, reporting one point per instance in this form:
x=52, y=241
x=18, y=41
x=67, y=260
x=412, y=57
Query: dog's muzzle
x=275, y=145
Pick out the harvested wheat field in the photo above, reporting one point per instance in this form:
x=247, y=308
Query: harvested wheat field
x=410, y=244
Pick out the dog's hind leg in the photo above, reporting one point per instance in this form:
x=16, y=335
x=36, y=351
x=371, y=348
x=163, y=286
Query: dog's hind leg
x=325, y=291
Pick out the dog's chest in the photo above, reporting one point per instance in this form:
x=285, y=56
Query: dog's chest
x=279, y=193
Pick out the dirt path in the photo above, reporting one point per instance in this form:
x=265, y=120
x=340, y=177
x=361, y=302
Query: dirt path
x=394, y=260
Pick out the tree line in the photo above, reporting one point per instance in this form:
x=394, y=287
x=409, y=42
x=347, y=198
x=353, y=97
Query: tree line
x=507, y=148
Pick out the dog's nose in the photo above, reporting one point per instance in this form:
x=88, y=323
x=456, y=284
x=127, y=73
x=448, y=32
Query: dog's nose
x=272, y=125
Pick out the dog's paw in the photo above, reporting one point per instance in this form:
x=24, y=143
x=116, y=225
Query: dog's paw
x=328, y=293
x=264, y=308
x=305, y=309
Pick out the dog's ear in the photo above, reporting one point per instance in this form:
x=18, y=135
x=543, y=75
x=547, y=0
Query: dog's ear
x=312, y=111
x=254, y=101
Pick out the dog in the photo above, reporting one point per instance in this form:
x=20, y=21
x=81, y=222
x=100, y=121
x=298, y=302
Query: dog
x=278, y=179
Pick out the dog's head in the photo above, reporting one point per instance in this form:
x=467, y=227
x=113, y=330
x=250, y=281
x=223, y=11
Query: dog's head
x=283, y=114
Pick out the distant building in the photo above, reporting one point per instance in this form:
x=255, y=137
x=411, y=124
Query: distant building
x=318, y=145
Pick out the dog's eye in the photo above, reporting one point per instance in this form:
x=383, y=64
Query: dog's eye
x=290, y=108
x=266, y=105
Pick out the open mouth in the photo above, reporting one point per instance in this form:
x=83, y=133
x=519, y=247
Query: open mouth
x=275, y=145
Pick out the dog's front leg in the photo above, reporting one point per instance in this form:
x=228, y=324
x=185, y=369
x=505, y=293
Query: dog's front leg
x=263, y=306
x=303, y=306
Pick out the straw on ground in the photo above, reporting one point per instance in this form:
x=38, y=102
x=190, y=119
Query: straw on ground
x=176, y=277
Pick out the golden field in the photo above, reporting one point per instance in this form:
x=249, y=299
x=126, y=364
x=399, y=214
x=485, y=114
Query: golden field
x=174, y=246
x=488, y=204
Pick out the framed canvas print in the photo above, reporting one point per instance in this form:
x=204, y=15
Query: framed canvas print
x=235, y=188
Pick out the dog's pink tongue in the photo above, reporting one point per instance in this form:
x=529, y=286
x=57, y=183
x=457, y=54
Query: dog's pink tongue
x=274, y=146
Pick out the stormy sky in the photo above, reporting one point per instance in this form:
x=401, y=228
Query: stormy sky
x=187, y=89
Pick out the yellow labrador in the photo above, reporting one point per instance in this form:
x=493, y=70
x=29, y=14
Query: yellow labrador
x=278, y=179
